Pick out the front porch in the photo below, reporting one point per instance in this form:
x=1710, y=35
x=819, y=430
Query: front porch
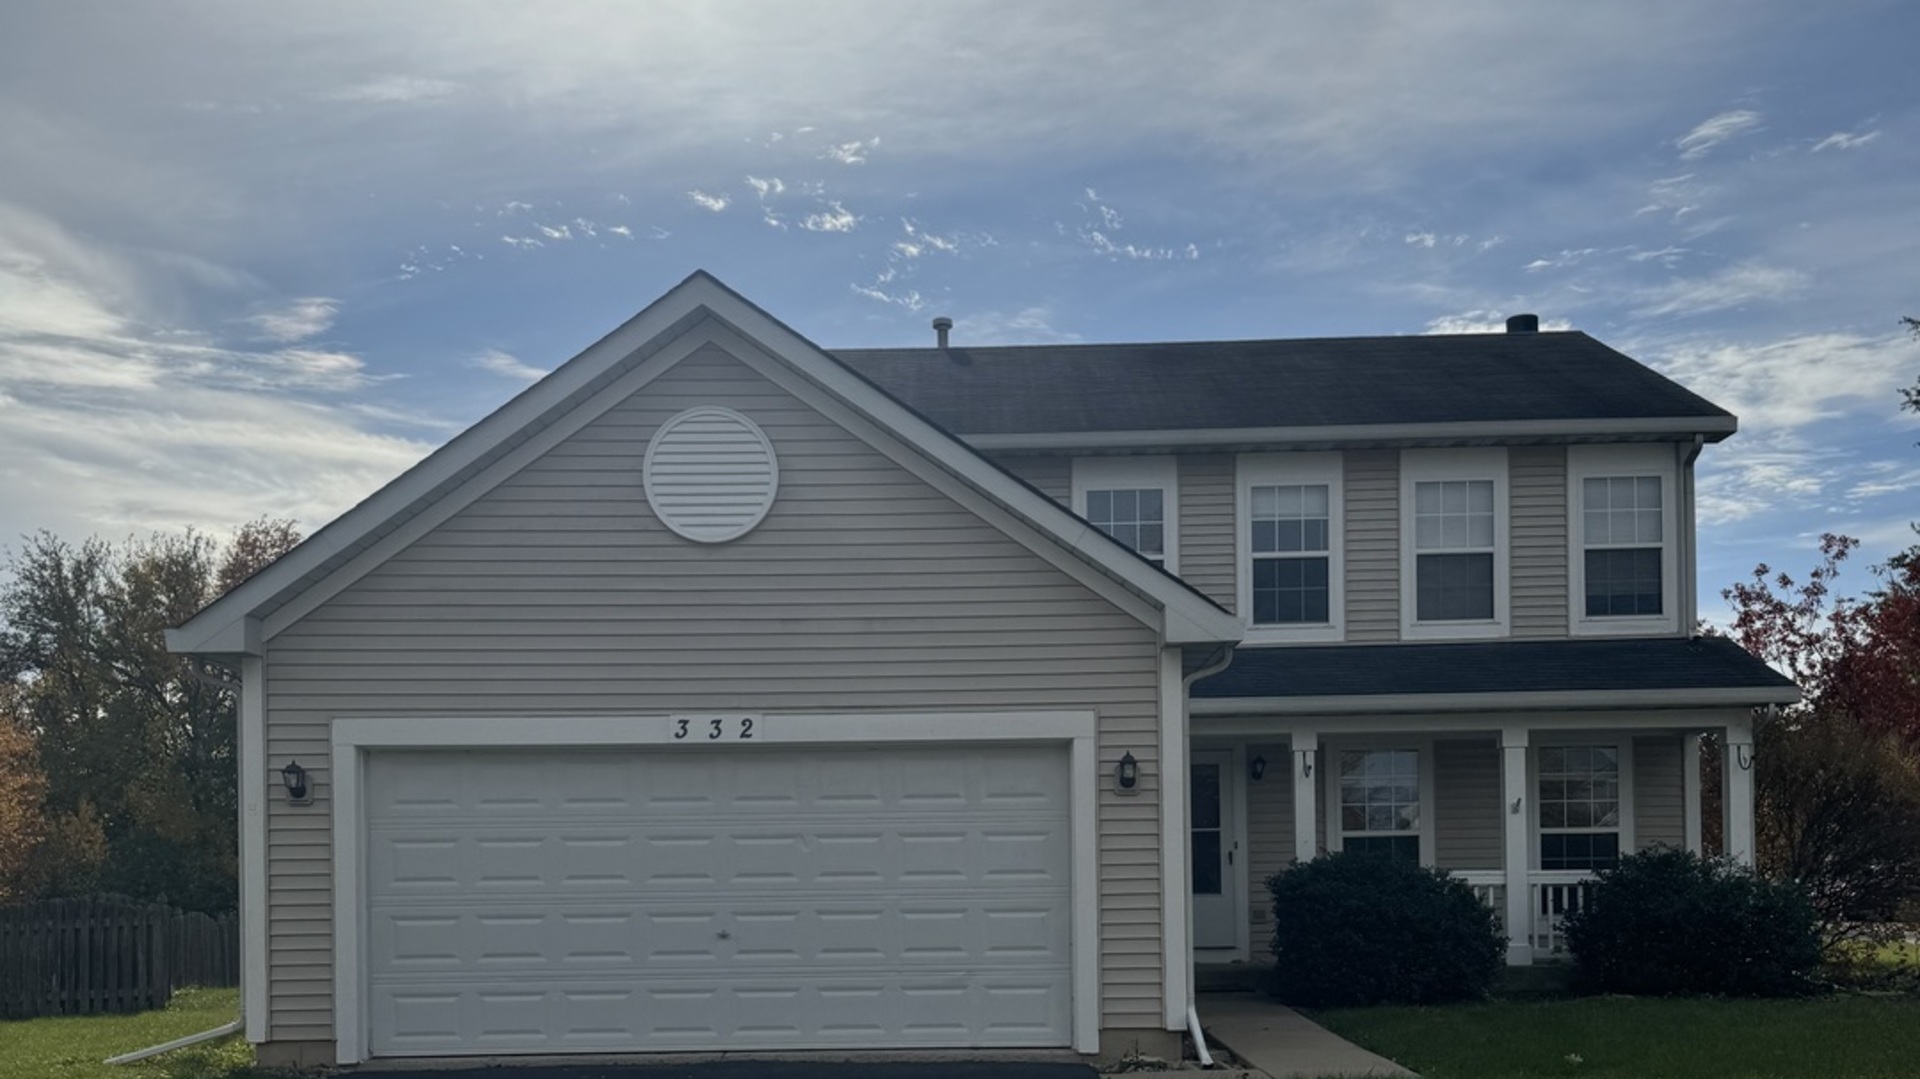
x=1524, y=812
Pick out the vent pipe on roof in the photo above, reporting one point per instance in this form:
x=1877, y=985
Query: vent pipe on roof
x=940, y=327
x=1523, y=324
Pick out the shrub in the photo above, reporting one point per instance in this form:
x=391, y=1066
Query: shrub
x=1838, y=811
x=1355, y=929
x=1667, y=922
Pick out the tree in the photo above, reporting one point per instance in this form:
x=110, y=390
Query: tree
x=136, y=744
x=23, y=787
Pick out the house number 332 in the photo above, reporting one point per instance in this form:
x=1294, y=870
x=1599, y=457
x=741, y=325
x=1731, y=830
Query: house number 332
x=712, y=728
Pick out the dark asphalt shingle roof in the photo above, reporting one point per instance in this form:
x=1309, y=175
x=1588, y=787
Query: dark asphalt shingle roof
x=1283, y=383
x=1492, y=667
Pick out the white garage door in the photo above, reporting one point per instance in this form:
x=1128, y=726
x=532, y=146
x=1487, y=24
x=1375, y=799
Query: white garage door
x=540, y=902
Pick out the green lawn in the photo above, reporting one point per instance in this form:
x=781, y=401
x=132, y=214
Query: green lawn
x=73, y=1047
x=1838, y=1037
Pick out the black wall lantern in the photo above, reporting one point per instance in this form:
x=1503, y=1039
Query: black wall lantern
x=1126, y=774
x=1257, y=769
x=295, y=778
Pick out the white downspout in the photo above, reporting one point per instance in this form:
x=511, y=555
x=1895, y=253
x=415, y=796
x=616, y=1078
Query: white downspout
x=181, y=1043
x=1193, y=1010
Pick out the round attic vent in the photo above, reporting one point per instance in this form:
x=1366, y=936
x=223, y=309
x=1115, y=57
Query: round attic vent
x=710, y=474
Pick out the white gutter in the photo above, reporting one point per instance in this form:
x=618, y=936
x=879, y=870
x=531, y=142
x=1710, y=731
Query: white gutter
x=177, y=1043
x=1541, y=700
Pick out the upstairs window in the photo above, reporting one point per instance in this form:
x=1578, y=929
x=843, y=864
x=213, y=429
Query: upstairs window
x=1453, y=535
x=1290, y=542
x=1133, y=499
x=1136, y=516
x=1623, y=528
x=1453, y=543
x=1291, y=566
x=1623, y=539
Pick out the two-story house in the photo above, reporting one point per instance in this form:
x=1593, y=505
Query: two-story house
x=722, y=692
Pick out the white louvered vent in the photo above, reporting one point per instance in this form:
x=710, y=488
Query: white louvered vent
x=710, y=474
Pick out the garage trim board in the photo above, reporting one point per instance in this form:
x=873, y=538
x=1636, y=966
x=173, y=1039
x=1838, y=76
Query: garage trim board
x=354, y=737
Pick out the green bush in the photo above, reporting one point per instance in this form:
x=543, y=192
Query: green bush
x=1666, y=922
x=1356, y=929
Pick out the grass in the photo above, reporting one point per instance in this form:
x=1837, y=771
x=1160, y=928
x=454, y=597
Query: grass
x=72, y=1047
x=1835, y=1037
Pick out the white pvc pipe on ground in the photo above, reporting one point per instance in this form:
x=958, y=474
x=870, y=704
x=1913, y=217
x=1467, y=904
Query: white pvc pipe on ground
x=177, y=1043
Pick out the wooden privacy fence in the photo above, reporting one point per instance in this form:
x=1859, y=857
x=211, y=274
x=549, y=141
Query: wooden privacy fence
x=103, y=953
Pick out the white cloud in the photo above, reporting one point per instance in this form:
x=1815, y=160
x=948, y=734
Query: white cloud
x=763, y=188
x=716, y=203
x=1715, y=130
x=834, y=218
x=908, y=298
x=1026, y=326
x=1560, y=261
x=507, y=365
x=306, y=317
x=1735, y=286
x=1421, y=239
x=1845, y=140
x=621, y=230
x=852, y=153
x=1791, y=383
x=395, y=90
x=1484, y=321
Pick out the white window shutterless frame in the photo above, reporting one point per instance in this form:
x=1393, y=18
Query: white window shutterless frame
x=1623, y=540
x=1289, y=546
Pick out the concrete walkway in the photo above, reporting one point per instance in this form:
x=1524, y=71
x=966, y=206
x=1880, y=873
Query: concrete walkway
x=1283, y=1043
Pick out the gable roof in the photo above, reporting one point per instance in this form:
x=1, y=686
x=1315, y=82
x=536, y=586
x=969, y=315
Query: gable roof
x=240, y=622
x=1549, y=386
x=1590, y=673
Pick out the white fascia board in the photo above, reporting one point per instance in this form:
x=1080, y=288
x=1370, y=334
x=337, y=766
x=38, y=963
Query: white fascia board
x=1489, y=724
x=1190, y=618
x=218, y=628
x=1712, y=428
x=1555, y=700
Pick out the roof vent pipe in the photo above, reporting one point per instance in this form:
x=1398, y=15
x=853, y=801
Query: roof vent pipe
x=1523, y=324
x=940, y=327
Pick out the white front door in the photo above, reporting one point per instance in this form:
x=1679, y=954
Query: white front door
x=1212, y=839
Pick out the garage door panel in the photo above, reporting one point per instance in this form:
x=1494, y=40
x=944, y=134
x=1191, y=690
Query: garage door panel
x=550, y=902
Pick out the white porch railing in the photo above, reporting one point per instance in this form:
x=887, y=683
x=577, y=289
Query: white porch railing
x=1554, y=896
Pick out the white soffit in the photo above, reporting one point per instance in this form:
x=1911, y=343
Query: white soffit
x=711, y=474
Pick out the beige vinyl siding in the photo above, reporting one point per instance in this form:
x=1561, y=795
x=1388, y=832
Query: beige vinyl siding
x=1269, y=836
x=558, y=592
x=1373, y=545
x=1537, y=478
x=1052, y=476
x=1659, y=800
x=1466, y=805
x=1206, y=527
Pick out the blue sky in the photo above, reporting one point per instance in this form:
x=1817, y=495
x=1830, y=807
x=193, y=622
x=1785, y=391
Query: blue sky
x=257, y=258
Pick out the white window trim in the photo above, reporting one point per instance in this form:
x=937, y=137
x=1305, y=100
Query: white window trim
x=1620, y=744
x=1594, y=462
x=1429, y=466
x=1330, y=795
x=1270, y=469
x=1135, y=473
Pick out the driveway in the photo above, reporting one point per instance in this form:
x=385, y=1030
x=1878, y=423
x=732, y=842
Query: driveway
x=748, y=1069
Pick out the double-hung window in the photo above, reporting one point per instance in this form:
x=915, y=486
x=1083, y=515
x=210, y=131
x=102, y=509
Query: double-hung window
x=1580, y=807
x=1377, y=802
x=1288, y=519
x=1133, y=499
x=1622, y=537
x=1454, y=545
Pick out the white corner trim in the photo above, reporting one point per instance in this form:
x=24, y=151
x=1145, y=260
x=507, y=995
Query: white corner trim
x=251, y=754
x=1136, y=472
x=1176, y=923
x=354, y=736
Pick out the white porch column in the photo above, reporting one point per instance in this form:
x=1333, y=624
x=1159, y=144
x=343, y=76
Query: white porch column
x=1690, y=792
x=1738, y=791
x=1516, y=813
x=1306, y=763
